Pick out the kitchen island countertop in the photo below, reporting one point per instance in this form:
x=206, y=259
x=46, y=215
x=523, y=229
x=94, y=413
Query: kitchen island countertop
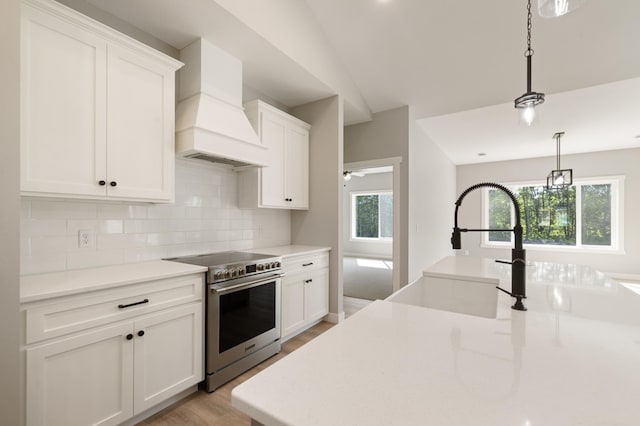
x=572, y=358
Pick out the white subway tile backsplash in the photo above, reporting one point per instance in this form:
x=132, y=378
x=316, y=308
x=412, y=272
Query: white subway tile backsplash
x=93, y=258
x=49, y=262
x=62, y=210
x=204, y=218
x=36, y=228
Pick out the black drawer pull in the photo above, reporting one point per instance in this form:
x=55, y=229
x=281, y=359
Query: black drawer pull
x=133, y=304
x=141, y=333
x=129, y=336
x=307, y=264
x=308, y=281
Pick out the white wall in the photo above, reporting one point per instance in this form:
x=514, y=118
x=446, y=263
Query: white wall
x=386, y=136
x=371, y=182
x=432, y=194
x=621, y=162
x=321, y=225
x=204, y=218
x=10, y=383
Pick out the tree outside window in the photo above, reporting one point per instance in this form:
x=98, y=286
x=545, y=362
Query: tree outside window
x=372, y=215
x=578, y=216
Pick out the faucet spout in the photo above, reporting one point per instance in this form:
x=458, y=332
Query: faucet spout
x=518, y=253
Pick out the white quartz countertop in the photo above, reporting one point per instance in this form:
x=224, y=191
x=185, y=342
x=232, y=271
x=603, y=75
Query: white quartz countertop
x=287, y=251
x=65, y=283
x=572, y=359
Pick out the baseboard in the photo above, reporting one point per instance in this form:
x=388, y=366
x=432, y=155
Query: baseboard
x=161, y=406
x=367, y=256
x=335, y=318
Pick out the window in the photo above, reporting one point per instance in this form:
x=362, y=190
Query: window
x=372, y=215
x=584, y=216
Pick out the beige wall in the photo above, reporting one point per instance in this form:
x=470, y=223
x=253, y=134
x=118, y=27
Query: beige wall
x=321, y=225
x=621, y=162
x=10, y=386
x=386, y=136
x=100, y=15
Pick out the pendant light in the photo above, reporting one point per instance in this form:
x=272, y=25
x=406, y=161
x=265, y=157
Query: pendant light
x=555, y=8
x=559, y=178
x=526, y=103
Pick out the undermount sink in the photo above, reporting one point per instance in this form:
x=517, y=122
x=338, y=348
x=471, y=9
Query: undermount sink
x=471, y=297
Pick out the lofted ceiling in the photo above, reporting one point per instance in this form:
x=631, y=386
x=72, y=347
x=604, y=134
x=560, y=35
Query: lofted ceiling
x=457, y=64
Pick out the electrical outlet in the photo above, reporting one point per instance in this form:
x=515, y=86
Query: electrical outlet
x=85, y=238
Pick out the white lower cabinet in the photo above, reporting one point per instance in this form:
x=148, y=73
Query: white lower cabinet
x=82, y=380
x=167, y=356
x=305, y=293
x=105, y=375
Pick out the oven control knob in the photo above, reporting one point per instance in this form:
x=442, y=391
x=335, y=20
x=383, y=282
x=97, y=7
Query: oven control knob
x=233, y=272
x=260, y=267
x=227, y=274
x=278, y=264
x=218, y=275
x=240, y=271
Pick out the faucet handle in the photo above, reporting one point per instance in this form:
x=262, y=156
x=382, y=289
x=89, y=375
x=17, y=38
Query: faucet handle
x=456, y=240
x=506, y=262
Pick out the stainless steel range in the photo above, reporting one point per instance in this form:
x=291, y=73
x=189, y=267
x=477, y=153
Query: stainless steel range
x=242, y=312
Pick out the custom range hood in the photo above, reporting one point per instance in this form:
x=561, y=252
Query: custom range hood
x=210, y=121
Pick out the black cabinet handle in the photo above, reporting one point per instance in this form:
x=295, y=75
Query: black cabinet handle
x=133, y=304
x=308, y=281
x=288, y=199
x=113, y=183
x=141, y=333
x=102, y=183
x=307, y=264
x=129, y=336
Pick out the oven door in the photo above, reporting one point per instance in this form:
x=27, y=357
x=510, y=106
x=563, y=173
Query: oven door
x=243, y=316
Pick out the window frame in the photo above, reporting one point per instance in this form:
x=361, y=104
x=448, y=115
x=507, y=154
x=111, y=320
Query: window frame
x=352, y=231
x=617, y=218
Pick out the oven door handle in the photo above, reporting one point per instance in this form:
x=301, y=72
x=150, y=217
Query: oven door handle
x=217, y=288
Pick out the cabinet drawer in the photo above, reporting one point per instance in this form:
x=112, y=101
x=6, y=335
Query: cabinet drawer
x=295, y=264
x=75, y=313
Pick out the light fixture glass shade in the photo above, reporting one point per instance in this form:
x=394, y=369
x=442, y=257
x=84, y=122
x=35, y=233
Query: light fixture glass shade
x=528, y=106
x=529, y=115
x=347, y=175
x=555, y=8
x=558, y=179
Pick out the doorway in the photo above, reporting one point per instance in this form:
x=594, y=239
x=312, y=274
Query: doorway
x=371, y=226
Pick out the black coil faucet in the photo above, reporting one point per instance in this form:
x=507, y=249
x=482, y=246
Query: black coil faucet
x=518, y=254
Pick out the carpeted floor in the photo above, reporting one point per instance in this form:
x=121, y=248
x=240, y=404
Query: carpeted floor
x=367, y=278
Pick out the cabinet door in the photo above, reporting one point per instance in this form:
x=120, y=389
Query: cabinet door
x=140, y=129
x=297, y=168
x=63, y=98
x=292, y=304
x=82, y=380
x=273, y=135
x=317, y=295
x=168, y=354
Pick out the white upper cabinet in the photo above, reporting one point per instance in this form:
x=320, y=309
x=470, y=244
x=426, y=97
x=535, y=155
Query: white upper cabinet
x=284, y=182
x=97, y=110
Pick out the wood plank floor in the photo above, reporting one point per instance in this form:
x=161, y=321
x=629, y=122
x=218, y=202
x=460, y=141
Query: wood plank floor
x=202, y=408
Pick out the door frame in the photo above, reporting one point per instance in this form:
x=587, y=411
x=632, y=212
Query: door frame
x=394, y=162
